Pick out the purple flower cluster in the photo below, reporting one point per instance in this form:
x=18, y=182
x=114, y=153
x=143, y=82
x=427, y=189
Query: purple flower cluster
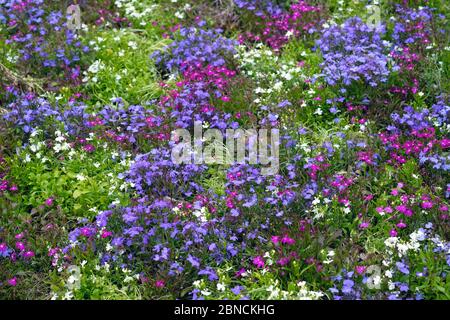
x=156, y=174
x=413, y=26
x=353, y=52
x=47, y=48
x=260, y=8
x=29, y=112
x=418, y=126
x=196, y=44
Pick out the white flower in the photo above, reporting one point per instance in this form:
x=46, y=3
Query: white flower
x=289, y=34
x=179, y=15
x=96, y=66
x=220, y=287
x=68, y=295
x=196, y=283
x=206, y=292
x=278, y=85
x=391, y=242
x=80, y=177
x=132, y=45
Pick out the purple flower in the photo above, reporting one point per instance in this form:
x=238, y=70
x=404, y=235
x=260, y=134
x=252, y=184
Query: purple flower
x=402, y=267
x=237, y=289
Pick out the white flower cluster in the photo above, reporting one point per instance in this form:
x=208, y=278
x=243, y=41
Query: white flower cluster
x=271, y=74
x=302, y=292
x=137, y=9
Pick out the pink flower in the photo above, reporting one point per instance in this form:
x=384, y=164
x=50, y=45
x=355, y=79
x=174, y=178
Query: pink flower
x=427, y=205
x=20, y=246
x=405, y=210
x=394, y=192
x=287, y=240
x=364, y=225
x=53, y=252
x=258, y=262
x=360, y=269
x=3, y=247
x=275, y=239
x=401, y=225
x=29, y=254
x=89, y=148
x=283, y=261
x=106, y=234
x=49, y=202
x=12, y=282
x=393, y=233
x=159, y=284
x=19, y=236
x=240, y=272
x=86, y=232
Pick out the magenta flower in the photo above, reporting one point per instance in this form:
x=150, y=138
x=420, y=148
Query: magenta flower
x=20, y=246
x=258, y=262
x=427, y=205
x=49, y=202
x=12, y=282
x=29, y=254
x=89, y=148
x=283, y=261
x=275, y=239
x=106, y=234
x=405, y=210
x=393, y=233
x=401, y=225
x=3, y=247
x=19, y=236
x=360, y=269
x=287, y=240
x=240, y=272
x=364, y=225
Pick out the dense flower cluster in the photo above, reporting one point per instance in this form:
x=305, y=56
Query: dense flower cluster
x=259, y=7
x=42, y=40
x=417, y=135
x=280, y=27
x=196, y=45
x=93, y=203
x=353, y=52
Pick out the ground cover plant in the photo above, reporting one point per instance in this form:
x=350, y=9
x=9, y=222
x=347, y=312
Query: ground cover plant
x=355, y=95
